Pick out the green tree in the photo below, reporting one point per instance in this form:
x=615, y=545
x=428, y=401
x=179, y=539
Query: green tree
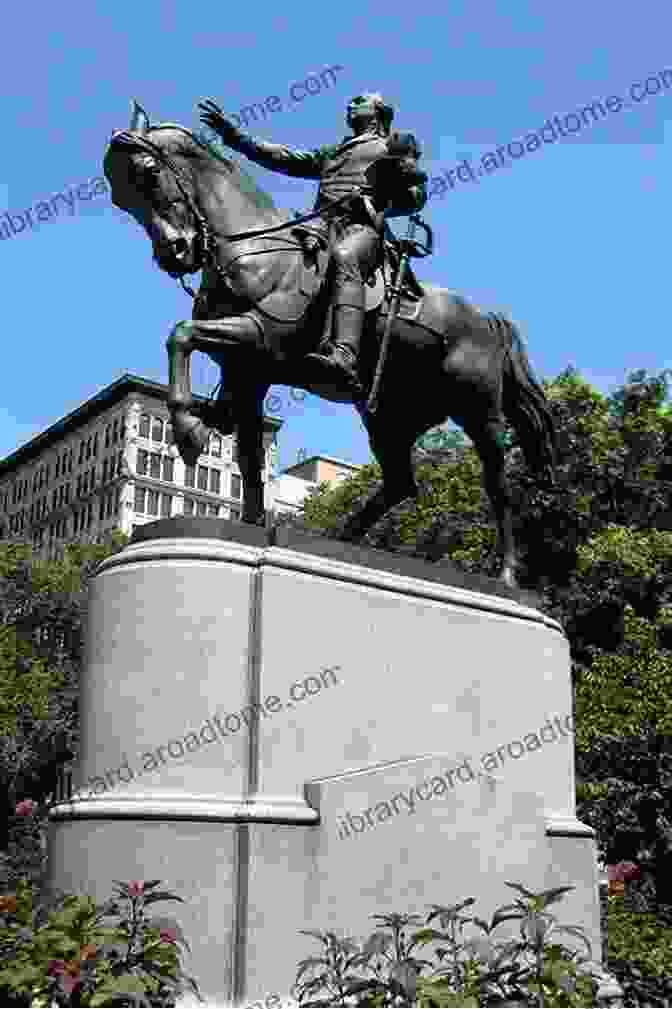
x=42, y=617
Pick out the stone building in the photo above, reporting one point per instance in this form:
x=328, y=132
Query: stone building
x=293, y=485
x=112, y=464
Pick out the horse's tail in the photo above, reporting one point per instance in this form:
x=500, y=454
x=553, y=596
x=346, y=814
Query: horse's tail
x=525, y=404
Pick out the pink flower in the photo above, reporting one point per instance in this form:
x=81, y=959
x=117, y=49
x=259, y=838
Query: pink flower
x=25, y=807
x=136, y=888
x=68, y=971
x=622, y=872
x=630, y=871
x=168, y=935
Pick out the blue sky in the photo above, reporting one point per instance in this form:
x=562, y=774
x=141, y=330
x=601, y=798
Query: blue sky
x=572, y=240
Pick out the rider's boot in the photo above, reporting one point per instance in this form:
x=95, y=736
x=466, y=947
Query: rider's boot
x=348, y=322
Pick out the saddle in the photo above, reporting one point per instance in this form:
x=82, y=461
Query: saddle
x=379, y=284
x=283, y=299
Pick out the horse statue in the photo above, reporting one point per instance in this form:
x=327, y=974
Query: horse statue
x=264, y=305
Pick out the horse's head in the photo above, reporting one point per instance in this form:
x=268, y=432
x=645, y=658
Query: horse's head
x=182, y=191
x=155, y=173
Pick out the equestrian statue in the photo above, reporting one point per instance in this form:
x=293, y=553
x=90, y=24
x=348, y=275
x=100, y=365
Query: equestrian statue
x=324, y=302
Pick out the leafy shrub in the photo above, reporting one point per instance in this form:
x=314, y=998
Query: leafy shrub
x=639, y=954
x=386, y=970
x=60, y=952
x=26, y=857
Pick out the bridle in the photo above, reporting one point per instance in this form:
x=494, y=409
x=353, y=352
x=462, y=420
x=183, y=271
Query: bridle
x=206, y=236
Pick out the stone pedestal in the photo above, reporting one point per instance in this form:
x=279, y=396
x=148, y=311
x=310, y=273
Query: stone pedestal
x=301, y=735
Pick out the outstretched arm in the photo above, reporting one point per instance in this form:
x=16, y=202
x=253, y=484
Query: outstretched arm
x=275, y=157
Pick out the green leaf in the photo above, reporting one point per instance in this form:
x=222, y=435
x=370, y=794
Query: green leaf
x=127, y=985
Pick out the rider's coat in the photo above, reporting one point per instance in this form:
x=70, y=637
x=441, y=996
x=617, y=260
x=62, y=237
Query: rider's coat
x=342, y=170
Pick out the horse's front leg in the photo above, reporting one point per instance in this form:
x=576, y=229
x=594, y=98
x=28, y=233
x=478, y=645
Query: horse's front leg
x=392, y=447
x=191, y=434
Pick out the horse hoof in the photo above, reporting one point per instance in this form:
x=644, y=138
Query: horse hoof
x=348, y=535
x=254, y=520
x=191, y=436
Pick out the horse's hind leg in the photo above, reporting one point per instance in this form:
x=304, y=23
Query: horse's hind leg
x=488, y=439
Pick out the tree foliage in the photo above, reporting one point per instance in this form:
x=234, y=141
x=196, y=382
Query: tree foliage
x=42, y=617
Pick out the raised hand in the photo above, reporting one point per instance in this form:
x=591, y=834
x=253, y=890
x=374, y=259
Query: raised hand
x=212, y=116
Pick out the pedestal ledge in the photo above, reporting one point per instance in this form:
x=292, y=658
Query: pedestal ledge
x=294, y=549
x=182, y=806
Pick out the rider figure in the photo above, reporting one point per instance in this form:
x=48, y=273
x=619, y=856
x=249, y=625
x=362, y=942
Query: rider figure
x=355, y=227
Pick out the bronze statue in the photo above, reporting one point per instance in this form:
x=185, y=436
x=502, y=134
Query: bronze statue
x=264, y=306
x=354, y=226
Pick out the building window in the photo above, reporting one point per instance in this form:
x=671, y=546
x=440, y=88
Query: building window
x=157, y=430
x=216, y=446
x=58, y=468
x=234, y=449
x=81, y=453
x=139, y=505
x=120, y=460
x=213, y=510
x=93, y=476
x=236, y=486
x=101, y=510
x=168, y=469
x=155, y=466
x=165, y=505
x=95, y=444
x=115, y=431
x=202, y=478
x=153, y=502
x=189, y=476
x=215, y=481
x=188, y=506
x=144, y=426
x=89, y=515
x=202, y=508
x=104, y=470
x=235, y=514
x=169, y=434
x=107, y=436
x=142, y=462
x=110, y=504
x=88, y=447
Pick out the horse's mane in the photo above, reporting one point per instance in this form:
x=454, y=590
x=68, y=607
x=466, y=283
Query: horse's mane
x=243, y=179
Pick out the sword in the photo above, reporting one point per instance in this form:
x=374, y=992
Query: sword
x=413, y=222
